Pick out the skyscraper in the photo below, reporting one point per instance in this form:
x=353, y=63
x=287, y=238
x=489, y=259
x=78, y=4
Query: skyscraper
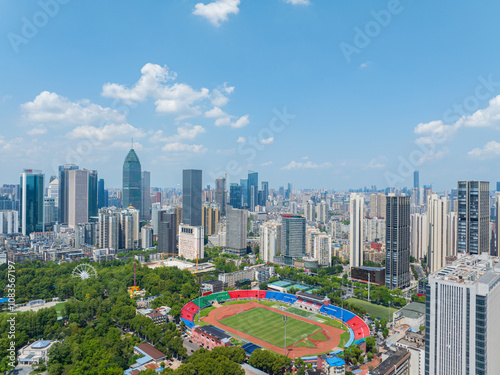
x=265, y=193
x=132, y=181
x=270, y=240
x=191, y=197
x=146, y=196
x=31, y=202
x=253, y=189
x=473, y=217
x=220, y=195
x=437, y=212
x=167, y=232
x=419, y=230
x=236, y=230
x=323, y=250
x=356, y=235
x=191, y=242
x=101, y=193
x=210, y=218
x=93, y=195
x=461, y=330
x=397, y=258
x=235, y=195
x=293, y=237
x=416, y=181
x=245, y=201
x=63, y=191
x=82, y=196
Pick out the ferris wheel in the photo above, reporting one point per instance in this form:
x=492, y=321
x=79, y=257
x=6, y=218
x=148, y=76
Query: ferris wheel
x=84, y=271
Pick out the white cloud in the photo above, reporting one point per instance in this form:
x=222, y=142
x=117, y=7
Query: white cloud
x=490, y=150
x=376, y=163
x=187, y=131
x=267, y=163
x=171, y=98
x=307, y=165
x=241, y=140
x=226, y=121
x=267, y=141
x=438, y=132
x=38, y=130
x=364, y=65
x=182, y=147
x=217, y=11
x=106, y=133
x=241, y=122
x=298, y=2
x=49, y=107
x=12, y=144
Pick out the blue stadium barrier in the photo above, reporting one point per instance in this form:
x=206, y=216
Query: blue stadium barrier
x=351, y=338
x=188, y=323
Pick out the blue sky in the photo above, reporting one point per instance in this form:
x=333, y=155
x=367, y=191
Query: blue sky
x=228, y=85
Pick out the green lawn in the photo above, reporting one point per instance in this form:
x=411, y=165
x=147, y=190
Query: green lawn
x=331, y=322
x=376, y=311
x=344, y=337
x=299, y=312
x=268, y=326
x=320, y=336
x=305, y=344
x=59, y=308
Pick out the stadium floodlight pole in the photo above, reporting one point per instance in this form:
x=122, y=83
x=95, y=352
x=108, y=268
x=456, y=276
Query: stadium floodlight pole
x=368, y=286
x=285, y=318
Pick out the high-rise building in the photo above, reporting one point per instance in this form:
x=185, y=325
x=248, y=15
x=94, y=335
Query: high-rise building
x=126, y=230
x=419, y=231
x=322, y=212
x=86, y=234
x=167, y=232
x=53, y=193
x=210, y=218
x=310, y=211
x=498, y=187
x=416, y=180
x=270, y=240
x=191, y=197
x=374, y=230
x=93, y=196
x=497, y=223
x=397, y=239
x=356, y=236
x=31, y=202
x=473, y=217
x=323, y=250
x=235, y=199
x=155, y=207
x=293, y=237
x=220, y=195
x=288, y=194
x=253, y=190
x=377, y=205
x=452, y=233
x=147, y=237
x=158, y=197
x=132, y=181
x=461, y=330
x=63, y=191
x=109, y=229
x=236, y=230
x=311, y=233
x=146, y=196
x=437, y=213
x=245, y=195
x=265, y=193
x=101, y=194
x=50, y=211
x=9, y=221
x=78, y=197
x=191, y=240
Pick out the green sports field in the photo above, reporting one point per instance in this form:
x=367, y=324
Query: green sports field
x=268, y=326
x=377, y=311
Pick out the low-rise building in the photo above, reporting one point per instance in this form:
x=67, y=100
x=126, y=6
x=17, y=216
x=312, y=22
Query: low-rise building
x=151, y=359
x=412, y=314
x=394, y=362
x=158, y=315
x=334, y=366
x=209, y=337
x=35, y=353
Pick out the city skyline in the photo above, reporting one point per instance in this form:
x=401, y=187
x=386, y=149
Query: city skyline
x=185, y=115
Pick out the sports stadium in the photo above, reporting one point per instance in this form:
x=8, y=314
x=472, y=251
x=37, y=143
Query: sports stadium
x=313, y=326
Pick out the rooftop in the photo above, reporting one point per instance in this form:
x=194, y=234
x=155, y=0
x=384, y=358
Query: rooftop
x=471, y=269
x=150, y=350
x=395, y=359
x=413, y=310
x=214, y=332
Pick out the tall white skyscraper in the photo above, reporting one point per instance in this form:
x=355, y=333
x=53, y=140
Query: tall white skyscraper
x=322, y=212
x=270, y=240
x=437, y=211
x=78, y=196
x=323, y=250
x=462, y=326
x=419, y=232
x=374, y=229
x=310, y=211
x=191, y=240
x=356, y=235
